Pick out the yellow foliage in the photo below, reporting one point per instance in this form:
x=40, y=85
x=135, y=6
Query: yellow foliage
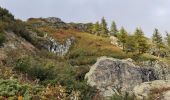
x=20, y=98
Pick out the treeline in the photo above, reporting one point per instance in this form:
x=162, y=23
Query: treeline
x=101, y=28
x=133, y=42
x=137, y=42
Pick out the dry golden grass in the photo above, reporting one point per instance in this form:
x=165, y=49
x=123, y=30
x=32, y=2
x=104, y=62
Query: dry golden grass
x=84, y=40
x=59, y=34
x=87, y=47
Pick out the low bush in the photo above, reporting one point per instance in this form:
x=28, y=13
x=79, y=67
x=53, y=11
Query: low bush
x=12, y=89
x=35, y=69
x=123, y=97
x=81, y=72
x=83, y=60
x=79, y=52
x=5, y=15
x=86, y=92
x=2, y=38
x=143, y=57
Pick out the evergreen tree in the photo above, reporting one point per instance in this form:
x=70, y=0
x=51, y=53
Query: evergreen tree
x=157, y=39
x=96, y=28
x=89, y=27
x=122, y=36
x=168, y=38
x=142, y=45
x=113, y=29
x=130, y=45
x=104, y=29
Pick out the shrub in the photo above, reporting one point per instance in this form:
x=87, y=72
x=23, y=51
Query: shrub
x=3, y=26
x=22, y=65
x=2, y=39
x=5, y=15
x=57, y=72
x=83, y=60
x=87, y=92
x=81, y=72
x=41, y=73
x=35, y=69
x=123, y=97
x=144, y=57
x=9, y=88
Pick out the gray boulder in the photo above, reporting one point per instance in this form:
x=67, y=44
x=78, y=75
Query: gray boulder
x=112, y=76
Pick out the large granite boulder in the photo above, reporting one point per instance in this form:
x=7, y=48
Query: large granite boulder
x=112, y=76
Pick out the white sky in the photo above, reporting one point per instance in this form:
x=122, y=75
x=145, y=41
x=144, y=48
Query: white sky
x=147, y=14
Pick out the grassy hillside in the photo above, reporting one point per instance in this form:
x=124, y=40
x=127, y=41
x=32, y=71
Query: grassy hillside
x=23, y=64
x=87, y=47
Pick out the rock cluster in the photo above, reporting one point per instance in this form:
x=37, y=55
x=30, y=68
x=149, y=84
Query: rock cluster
x=53, y=20
x=80, y=26
x=112, y=76
x=56, y=47
x=59, y=24
x=115, y=42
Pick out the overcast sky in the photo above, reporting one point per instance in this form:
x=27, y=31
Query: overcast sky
x=147, y=14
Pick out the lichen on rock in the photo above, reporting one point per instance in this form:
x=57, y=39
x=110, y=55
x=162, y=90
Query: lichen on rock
x=56, y=47
x=114, y=76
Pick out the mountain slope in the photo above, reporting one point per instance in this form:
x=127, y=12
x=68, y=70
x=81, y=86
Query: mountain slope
x=26, y=58
x=47, y=58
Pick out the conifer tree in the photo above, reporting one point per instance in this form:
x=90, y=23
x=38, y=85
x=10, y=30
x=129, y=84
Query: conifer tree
x=168, y=38
x=130, y=45
x=113, y=29
x=122, y=36
x=96, y=28
x=142, y=45
x=104, y=29
x=157, y=39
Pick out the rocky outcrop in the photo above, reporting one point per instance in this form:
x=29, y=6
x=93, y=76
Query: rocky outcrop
x=51, y=44
x=14, y=47
x=53, y=20
x=57, y=23
x=112, y=76
x=115, y=41
x=155, y=90
x=83, y=27
x=158, y=52
x=56, y=47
